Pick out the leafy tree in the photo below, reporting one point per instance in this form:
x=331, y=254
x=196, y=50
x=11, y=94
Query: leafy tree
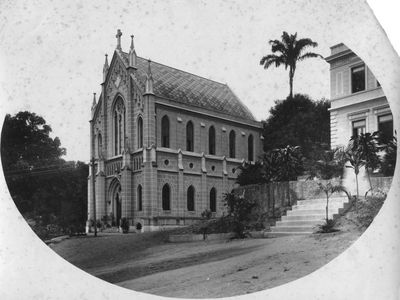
x=329, y=188
x=288, y=163
x=26, y=144
x=389, y=159
x=291, y=50
x=240, y=209
x=42, y=184
x=269, y=162
x=356, y=163
x=366, y=144
x=283, y=164
x=251, y=174
x=298, y=121
x=327, y=164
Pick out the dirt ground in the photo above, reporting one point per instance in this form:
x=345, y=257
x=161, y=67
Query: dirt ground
x=145, y=262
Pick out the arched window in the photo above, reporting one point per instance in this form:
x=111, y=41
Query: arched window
x=211, y=141
x=99, y=145
x=190, y=198
x=213, y=200
x=139, y=195
x=140, y=132
x=119, y=126
x=250, y=148
x=189, y=137
x=165, y=132
x=232, y=144
x=166, y=197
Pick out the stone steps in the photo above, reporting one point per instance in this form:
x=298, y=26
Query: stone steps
x=322, y=200
x=300, y=223
x=305, y=216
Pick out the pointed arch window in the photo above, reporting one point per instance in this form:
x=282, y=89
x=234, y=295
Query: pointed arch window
x=140, y=132
x=189, y=137
x=119, y=126
x=190, y=198
x=250, y=148
x=139, y=195
x=166, y=193
x=165, y=132
x=213, y=200
x=211, y=140
x=232, y=144
x=99, y=145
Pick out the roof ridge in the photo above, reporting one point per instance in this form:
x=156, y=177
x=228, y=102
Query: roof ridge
x=241, y=102
x=125, y=53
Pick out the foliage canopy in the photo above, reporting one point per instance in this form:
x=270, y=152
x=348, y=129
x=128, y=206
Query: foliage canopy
x=298, y=121
x=42, y=184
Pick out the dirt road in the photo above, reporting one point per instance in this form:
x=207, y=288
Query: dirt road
x=146, y=263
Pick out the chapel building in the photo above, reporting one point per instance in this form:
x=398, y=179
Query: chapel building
x=166, y=143
x=358, y=104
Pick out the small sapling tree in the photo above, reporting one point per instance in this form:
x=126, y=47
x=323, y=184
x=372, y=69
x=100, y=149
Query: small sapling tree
x=329, y=189
x=356, y=163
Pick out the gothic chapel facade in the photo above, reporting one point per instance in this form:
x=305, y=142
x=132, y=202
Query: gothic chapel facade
x=166, y=143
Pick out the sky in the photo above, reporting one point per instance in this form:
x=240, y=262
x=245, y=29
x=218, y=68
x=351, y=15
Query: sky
x=52, y=52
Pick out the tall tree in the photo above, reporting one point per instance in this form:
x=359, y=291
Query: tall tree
x=291, y=50
x=298, y=121
x=26, y=143
x=388, y=164
x=42, y=184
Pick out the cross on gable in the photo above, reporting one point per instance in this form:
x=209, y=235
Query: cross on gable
x=118, y=36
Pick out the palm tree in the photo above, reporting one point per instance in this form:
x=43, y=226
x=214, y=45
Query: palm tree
x=291, y=51
x=329, y=188
x=289, y=163
x=356, y=163
x=367, y=145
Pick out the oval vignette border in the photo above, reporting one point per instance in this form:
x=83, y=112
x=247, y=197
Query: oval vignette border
x=366, y=270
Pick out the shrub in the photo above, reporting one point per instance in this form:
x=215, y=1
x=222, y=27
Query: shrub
x=369, y=208
x=124, y=225
x=241, y=210
x=327, y=227
x=138, y=226
x=206, y=214
x=98, y=223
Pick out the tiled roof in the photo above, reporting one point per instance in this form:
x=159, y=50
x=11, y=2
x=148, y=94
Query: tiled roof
x=193, y=90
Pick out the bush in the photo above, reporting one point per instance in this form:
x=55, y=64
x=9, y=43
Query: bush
x=98, y=223
x=327, y=227
x=241, y=210
x=138, y=226
x=369, y=208
x=206, y=214
x=124, y=225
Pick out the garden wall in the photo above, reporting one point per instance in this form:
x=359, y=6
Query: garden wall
x=275, y=198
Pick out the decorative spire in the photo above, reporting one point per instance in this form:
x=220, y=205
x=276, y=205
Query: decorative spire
x=94, y=101
x=132, y=55
x=105, y=68
x=149, y=80
x=118, y=36
x=132, y=47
